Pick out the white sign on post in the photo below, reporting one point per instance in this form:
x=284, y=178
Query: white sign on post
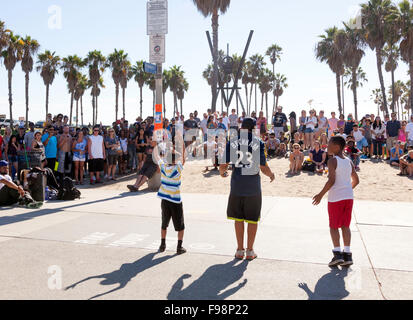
x=157, y=17
x=157, y=49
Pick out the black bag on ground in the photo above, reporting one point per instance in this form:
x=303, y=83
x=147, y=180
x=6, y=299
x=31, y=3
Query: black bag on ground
x=68, y=191
x=309, y=166
x=37, y=185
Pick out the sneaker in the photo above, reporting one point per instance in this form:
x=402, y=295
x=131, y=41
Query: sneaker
x=337, y=259
x=162, y=248
x=180, y=250
x=251, y=255
x=347, y=257
x=34, y=205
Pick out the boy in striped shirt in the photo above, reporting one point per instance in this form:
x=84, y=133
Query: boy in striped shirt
x=171, y=169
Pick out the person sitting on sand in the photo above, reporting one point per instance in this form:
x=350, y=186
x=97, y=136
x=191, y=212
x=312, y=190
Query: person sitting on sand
x=395, y=153
x=406, y=164
x=318, y=156
x=296, y=159
x=272, y=145
x=282, y=150
x=353, y=153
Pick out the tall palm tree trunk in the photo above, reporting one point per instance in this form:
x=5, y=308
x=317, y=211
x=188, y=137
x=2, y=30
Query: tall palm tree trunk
x=123, y=103
x=262, y=100
x=10, y=97
x=246, y=96
x=256, y=100
x=96, y=106
x=181, y=106
x=338, y=80
x=27, y=98
x=47, y=99
x=164, y=105
x=266, y=106
x=392, y=91
x=140, y=101
x=117, y=101
x=71, y=107
x=77, y=113
x=379, y=59
x=411, y=85
x=214, y=85
x=81, y=110
x=273, y=72
x=249, y=107
x=94, y=110
x=354, y=87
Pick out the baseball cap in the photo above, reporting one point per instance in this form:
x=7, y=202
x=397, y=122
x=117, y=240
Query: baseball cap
x=3, y=163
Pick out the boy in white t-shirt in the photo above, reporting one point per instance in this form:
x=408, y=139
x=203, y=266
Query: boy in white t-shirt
x=342, y=179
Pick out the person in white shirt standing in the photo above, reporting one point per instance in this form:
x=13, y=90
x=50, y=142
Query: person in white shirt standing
x=97, y=155
x=409, y=132
x=342, y=179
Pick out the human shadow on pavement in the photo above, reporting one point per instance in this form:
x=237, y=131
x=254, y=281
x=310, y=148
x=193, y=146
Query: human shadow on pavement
x=126, y=273
x=211, y=283
x=330, y=286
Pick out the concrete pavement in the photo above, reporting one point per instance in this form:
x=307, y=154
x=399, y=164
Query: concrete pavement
x=107, y=241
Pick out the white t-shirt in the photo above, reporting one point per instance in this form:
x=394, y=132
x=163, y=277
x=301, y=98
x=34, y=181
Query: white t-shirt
x=124, y=145
x=409, y=130
x=203, y=125
x=358, y=135
x=96, y=148
x=4, y=177
x=225, y=121
x=322, y=123
x=310, y=122
x=342, y=188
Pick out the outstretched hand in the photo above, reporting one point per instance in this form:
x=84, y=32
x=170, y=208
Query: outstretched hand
x=317, y=199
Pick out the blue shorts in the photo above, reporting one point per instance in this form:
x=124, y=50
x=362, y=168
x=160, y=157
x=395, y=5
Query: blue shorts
x=308, y=130
x=362, y=143
x=13, y=159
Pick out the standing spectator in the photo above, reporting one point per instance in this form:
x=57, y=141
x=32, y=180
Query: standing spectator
x=97, y=155
x=332, y=124
x=190, y=127
x=37, y=146
x=301, y=128
x=262, y=123
x=378, y=131
x=12, y=156
x=141, y=144
x=124, y=157
x=20, y=138
x=50, y=143
x=409, y=132
x=322, y=125
x=29, y=137
x=310, y=123
x=233, y=120
x=367, y=134
x=225, y=120
x=393, y=127
x=361, y=141
x=279, y=121
x=133, y=160
x=112, y=146
x=64, y=153
x=341, y=122
x=293, y=124
x=79, y=147
x=402, y=133
x=196, y=118
x=348, y=127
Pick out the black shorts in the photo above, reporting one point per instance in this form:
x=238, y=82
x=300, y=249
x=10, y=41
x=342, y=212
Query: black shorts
x=96, y=165
x=148, y=170
x=112, y=159
x=244, y=209
x=174, y=211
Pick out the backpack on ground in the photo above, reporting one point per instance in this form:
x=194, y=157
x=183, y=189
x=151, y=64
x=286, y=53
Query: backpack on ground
x=68, y=191
x=309, y=166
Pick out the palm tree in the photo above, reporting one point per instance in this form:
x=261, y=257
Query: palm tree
x=391, y=55
x=375, y=15
x=274, y=52
x=176, y=81
x=353, y=81
x=327, y=51
x=280, y=83
x=126, y=76
x=96, y=62
x=396, y=94
x=213, y=8
x=406, y=46
x=266, y=83
x=257, y=64
x=82, y=84
x=140, y=76
x=3, y=36
x=48, y=65
x=166, y=78
x=151, y=83
x=377, y=97
x=180, y=93
x=351, y=44
x=95, y=93
x=30, y=48
x=71, y=66
x=247, y=79
x=116, y=62
x=11, y=55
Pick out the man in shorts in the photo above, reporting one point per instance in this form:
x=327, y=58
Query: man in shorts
x=97, y=155
x=246, y=153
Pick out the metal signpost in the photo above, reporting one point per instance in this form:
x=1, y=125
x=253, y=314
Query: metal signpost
x=157, y=27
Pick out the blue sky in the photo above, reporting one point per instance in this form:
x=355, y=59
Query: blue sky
x=104, y=25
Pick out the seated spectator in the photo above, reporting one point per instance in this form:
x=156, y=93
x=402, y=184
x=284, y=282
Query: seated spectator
x=282, y=150
x=10, y=193
x=353, y=153
x=296, y=159
x=395, y=153
x=318, y=156
x=406, y=164
x=323, y=141
x=272, y=145
x=341, y=133
x=297, y=139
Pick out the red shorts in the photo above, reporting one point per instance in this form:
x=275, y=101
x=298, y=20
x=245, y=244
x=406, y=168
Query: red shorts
x=340, y=213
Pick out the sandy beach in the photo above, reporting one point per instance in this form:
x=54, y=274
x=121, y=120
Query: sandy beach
x=378, y=182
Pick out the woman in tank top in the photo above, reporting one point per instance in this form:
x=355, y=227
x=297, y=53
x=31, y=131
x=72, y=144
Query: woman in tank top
x=37, y=146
